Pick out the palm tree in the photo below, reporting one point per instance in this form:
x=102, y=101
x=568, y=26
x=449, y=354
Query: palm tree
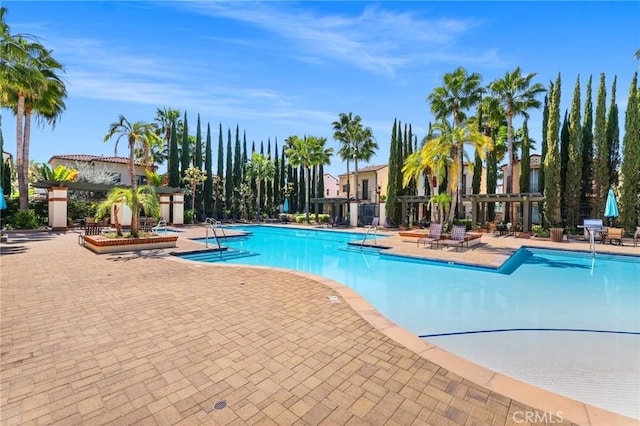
x=515, y=93
x=260, y=168
x=142, y=197
x=307, y=152
x=363, y=146
x=343, y=131
x=59, y=174
x=459, y=92
x=29, y=84
x=163, y=121
x=441, y=153
x=139, y=135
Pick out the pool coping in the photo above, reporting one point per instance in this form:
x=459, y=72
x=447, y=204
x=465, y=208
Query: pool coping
x=541, y=399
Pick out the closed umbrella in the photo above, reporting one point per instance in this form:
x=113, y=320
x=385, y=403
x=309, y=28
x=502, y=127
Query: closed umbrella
x=285, y=208
x=611, y=208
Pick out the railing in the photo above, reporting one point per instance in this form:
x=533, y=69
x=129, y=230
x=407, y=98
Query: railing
x=162, y=224
x=592, y=241
x=215, y=224
x=373, y=227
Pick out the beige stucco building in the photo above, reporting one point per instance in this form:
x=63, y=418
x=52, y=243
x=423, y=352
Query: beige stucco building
x=117, y=166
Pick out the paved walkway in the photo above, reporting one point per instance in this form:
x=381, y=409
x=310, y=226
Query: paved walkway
x=142, y=338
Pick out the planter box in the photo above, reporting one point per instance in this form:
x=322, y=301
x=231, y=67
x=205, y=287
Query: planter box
x=556, y=234
x=99, y=244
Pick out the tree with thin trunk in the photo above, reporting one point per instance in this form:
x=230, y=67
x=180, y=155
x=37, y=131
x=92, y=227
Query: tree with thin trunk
x=552, y=160
x=574, y=166
x=343, y=130
x=363, y=147
x=525, y=162
x=208, y=183
x=141, y=136
x=517, y=95
x=306, y=153
x=459, y=92
x=613, y=137
x=630, y=168
x=259, y=168
x=31, y=85
x=586, y=139
x=601, y=154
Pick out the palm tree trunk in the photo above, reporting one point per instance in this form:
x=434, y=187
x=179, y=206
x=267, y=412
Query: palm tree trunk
x=509, y=178
x=134, y=192
x=459, y=180
x=22, y=168
x=306, y=195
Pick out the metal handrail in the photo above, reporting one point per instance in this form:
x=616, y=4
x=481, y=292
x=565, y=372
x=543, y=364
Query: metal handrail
x=214, y=223
x=375, y=235
x=592, y=241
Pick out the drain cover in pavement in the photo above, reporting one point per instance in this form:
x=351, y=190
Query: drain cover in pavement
x=219, y=405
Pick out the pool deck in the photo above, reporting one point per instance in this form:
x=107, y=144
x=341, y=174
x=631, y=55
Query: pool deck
x=148, y=338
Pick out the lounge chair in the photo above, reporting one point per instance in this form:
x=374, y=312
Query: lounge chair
x=636, y=237
x=457, y=239
x=614, y=235
x=435, y=234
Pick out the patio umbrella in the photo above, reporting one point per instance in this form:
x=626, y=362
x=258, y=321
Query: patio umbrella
x=611, y=208
x=3, y=202
x=285, y=208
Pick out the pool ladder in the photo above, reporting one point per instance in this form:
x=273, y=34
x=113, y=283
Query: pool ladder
x=215, y=224
x=592, y=242
x=370, y=228
x=161, y=224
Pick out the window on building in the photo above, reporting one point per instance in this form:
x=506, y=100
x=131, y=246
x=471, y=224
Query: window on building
x=365, y=189
x=534, y=175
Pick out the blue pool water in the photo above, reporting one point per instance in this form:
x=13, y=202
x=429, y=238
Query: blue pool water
x=520, y=320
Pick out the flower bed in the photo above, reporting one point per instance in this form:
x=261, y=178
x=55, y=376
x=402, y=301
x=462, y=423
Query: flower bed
x=99, y=244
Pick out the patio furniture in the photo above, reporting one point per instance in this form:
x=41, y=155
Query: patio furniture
x=457, y=239
x=614, y=235
x=636, y=236
x=434, y=235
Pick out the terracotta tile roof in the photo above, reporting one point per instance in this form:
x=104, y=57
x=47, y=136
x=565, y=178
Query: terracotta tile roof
x=93, y=158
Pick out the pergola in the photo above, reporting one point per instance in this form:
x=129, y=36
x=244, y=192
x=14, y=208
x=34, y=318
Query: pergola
x=57, y=194
x=526, y=198
x=407, y=199
x=333, y=201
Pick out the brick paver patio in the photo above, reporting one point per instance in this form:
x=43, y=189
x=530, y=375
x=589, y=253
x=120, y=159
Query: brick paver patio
x=136, y=338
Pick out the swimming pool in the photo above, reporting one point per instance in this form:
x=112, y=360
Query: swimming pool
x=553, y=319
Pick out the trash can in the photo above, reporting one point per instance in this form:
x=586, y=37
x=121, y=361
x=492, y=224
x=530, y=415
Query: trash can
x=556, y=234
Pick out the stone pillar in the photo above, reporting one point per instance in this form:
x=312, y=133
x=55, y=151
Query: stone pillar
x=58, y=208
x=178, y=208
x=165, y=206
x=353, y=214
x=50, y=201
x=383, y=214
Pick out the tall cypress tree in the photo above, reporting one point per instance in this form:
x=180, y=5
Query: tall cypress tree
x=185, y=153
x=613, y=138
x=276, y=177
x=197, y=163
x=601, y=157
x=552, y=160
x=269, y=182
x=238, y=167
x=392, y=207
x=220, y=172
x=543, y=143
x=574, y=168
x=630, y=168
x=228, y=186
x=586, y=180
x=564, y=160
x=174, y=162
x=525, y=162
x=208, y=183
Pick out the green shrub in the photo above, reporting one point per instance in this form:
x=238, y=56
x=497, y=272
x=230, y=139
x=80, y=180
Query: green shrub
x=300, y=218
x=323, y=218
x=81, y=209
x=539, y=231
x=25, y=219
x=466, y=222
x=189, y=216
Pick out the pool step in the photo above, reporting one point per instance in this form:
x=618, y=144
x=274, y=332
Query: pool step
x=221, y=256
x=371, y=251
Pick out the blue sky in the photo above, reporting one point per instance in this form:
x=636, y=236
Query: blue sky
x=281, y=68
